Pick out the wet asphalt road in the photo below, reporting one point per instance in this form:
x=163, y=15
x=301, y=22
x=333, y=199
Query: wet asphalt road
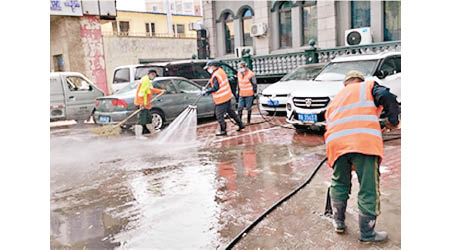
x=121, y=193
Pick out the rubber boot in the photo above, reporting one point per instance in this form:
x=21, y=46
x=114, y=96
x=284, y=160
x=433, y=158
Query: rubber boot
x=339, y=208
x=223, y=131
x=367, y=229
x=240, y=114
x=138, y=129
x=151, y=128
x=241, y=126
x=249, y=116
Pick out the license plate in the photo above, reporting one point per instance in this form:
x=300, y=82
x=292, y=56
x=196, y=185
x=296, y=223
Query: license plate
x=273, y=103
x=307, y=117
x=104, y=119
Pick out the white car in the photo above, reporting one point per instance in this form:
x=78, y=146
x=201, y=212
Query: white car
x=311, y=97
x=274, y=97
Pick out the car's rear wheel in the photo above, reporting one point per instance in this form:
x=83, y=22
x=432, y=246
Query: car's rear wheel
x=157, y=119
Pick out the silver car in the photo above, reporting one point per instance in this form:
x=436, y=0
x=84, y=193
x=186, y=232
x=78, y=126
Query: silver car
x=180, y=92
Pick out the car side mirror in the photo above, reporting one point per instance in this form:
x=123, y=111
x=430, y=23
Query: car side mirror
x=90, y=88
x=381, y=74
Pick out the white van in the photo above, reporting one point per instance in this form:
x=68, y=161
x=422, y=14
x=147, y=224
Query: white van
x=72, y=96
x=126, y=74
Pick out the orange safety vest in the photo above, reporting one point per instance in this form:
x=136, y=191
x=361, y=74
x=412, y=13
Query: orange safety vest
x=353, y=123
x=139, y=100
x=224, y=93
x=245, y=84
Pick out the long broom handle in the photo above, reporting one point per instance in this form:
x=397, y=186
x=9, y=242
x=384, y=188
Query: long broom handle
x=137, y=111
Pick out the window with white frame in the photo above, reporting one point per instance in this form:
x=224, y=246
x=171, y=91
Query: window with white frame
x=247, y=21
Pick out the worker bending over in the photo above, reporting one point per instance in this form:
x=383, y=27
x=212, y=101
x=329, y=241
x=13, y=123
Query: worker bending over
x=353, y=139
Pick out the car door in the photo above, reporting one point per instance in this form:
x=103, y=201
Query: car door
x=391, y=66
x=191, y=91
x=80, y=97
x=172, y=102
x=57, y=104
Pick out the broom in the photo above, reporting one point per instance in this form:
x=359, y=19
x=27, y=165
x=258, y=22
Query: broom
x=114, y=130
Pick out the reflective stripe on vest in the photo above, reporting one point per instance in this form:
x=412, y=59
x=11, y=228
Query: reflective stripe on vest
x=353, y=123
x=223, y=94
x=245, y=84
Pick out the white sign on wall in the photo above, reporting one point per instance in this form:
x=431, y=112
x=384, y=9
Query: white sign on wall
x=66, y=7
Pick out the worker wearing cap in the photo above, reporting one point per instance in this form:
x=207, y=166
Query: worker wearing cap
x=221, y=94
x=247, y=89
x=143, y=97
x=353, y=140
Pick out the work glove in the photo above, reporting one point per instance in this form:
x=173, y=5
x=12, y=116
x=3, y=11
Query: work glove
x=389, y=126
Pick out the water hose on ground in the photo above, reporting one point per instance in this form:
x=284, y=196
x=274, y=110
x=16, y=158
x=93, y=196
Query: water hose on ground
x=328, y=209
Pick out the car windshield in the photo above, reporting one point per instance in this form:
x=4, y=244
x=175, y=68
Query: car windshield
x=142, y=71
x=336, y=71
x=302, y=73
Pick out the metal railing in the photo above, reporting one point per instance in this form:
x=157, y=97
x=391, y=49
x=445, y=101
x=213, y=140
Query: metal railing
x=281, y=64
x=149, y=35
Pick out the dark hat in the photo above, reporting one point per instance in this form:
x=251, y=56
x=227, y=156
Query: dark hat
x=211, y=63
x=152, y=71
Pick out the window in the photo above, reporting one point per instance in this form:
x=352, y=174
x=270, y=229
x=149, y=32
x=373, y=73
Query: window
x=167, y=85
x=391, y=65
x=76, y=83
x=360, y=11
x=142, y=71
x=229, y=34
x=392, y=17
x=155, y=8
x=285, y=25
x=199, y=72
x=309, y=19
x=147, y=29
x=183, y=70
x=336, y=71
x=153, y=28
x=187, y=87
x=58, y=63
x=124, y=27
x=247, y=21
x=122, y=75
x=180, y=28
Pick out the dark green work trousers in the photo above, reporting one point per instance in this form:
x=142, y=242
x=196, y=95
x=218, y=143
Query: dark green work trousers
x=144, y=117
x=367, y=169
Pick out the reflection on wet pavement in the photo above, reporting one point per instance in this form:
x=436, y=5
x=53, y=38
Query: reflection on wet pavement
x=200, y=196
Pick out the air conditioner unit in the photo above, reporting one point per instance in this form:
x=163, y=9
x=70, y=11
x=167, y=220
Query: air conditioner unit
x=258, y=29
x=358, y=36
x=196, y=26
x=238, y=51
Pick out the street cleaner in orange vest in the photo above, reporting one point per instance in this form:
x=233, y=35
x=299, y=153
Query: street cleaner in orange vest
x=353, y=140
x=143, y=98
x=247, y=89
x=221, y=94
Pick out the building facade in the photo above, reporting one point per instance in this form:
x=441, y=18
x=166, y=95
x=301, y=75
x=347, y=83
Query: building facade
x=150, y=24
x=76, y=42
x=292, y=24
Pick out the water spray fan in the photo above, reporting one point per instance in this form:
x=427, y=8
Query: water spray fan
x=114, y=130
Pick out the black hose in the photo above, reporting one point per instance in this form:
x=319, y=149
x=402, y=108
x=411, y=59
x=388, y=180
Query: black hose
x=285, y=198
x=328, y=210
